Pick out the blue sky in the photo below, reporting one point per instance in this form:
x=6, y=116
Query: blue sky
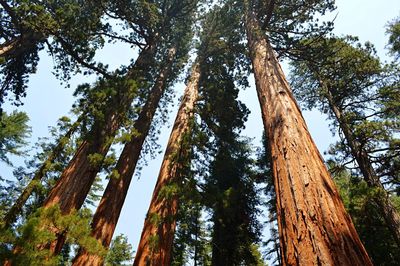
x=47, y=100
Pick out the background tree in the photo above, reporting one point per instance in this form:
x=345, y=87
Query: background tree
x=393, y=30
x=344, y=81
x=272, y=248
x=120, y=251
x=14, y=131
x=358, y=198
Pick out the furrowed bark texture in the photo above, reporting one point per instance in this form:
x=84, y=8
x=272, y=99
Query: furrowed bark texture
x=386, y=207
x=75, y=182
x=15, y=210
x=106, y=217
x=157, y=236
x=313, y=224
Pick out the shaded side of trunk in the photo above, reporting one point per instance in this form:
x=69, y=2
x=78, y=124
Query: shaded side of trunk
x=159, y=227
x=75, y=182
x=386, y=207
x=106, y=217
x=15, y=210
x=313, y=224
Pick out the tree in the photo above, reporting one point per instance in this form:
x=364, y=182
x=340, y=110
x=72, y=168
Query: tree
x=393, y=30
x=229, y=190
x=158, y=233
x=55, y=153
x=191, y=240
x=120, y=251
x=107, y=214
x=25, y=200
x=114, y=99
x=341, y=80
x=358, y=198
x=13, y=133
x=265, y=175
x=26, y=28
x=306, y=193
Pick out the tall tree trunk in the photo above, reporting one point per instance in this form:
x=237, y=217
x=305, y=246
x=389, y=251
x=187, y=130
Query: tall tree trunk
x=70, y=191
x=313, y=224
x=15, y=210
x=106, y=217
x=159, y=227
x=386, y=207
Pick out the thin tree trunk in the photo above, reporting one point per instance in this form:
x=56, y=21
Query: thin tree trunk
x=7, y=47
x=313, y=224
x=159, y=227
x=386, y=208
x=106, y=217
x=75, y=182
x=15, y=210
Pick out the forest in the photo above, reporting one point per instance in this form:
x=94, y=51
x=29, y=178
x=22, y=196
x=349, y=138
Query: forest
x=139, y=72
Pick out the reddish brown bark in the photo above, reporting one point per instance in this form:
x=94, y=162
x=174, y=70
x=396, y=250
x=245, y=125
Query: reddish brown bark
x=159, y=226
x=313, y=224
x=71, y=189
x=106, y=217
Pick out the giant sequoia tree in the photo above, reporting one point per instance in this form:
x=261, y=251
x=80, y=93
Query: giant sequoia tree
x=309, y=206
x=113, y=98
x=158, y=233
x=106, y=216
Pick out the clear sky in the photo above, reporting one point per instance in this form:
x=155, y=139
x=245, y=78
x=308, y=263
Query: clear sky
x=47, y=100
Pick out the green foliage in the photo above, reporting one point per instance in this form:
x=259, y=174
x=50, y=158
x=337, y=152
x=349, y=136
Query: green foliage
x=359, y=202
x=191, y=242
x=286, y=23
x=257, y=255
x=120, y=251
x=14, y=131
x=265, y=177
x=168, y=191
x=228, y=192
x=393, y=30
x=27, y=26
x=96, y=159
x=93, y=196
x=346, y=80
x=339, y=66
x=38, y=231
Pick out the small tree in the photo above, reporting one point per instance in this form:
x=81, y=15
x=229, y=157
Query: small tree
x=14, y=131
x=120, y=252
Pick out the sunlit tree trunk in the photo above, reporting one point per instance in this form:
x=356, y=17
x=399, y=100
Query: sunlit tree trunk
x=313, y=224
x=109, y=209
x=159, y=227
x=386, y=207
x=15, y=210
